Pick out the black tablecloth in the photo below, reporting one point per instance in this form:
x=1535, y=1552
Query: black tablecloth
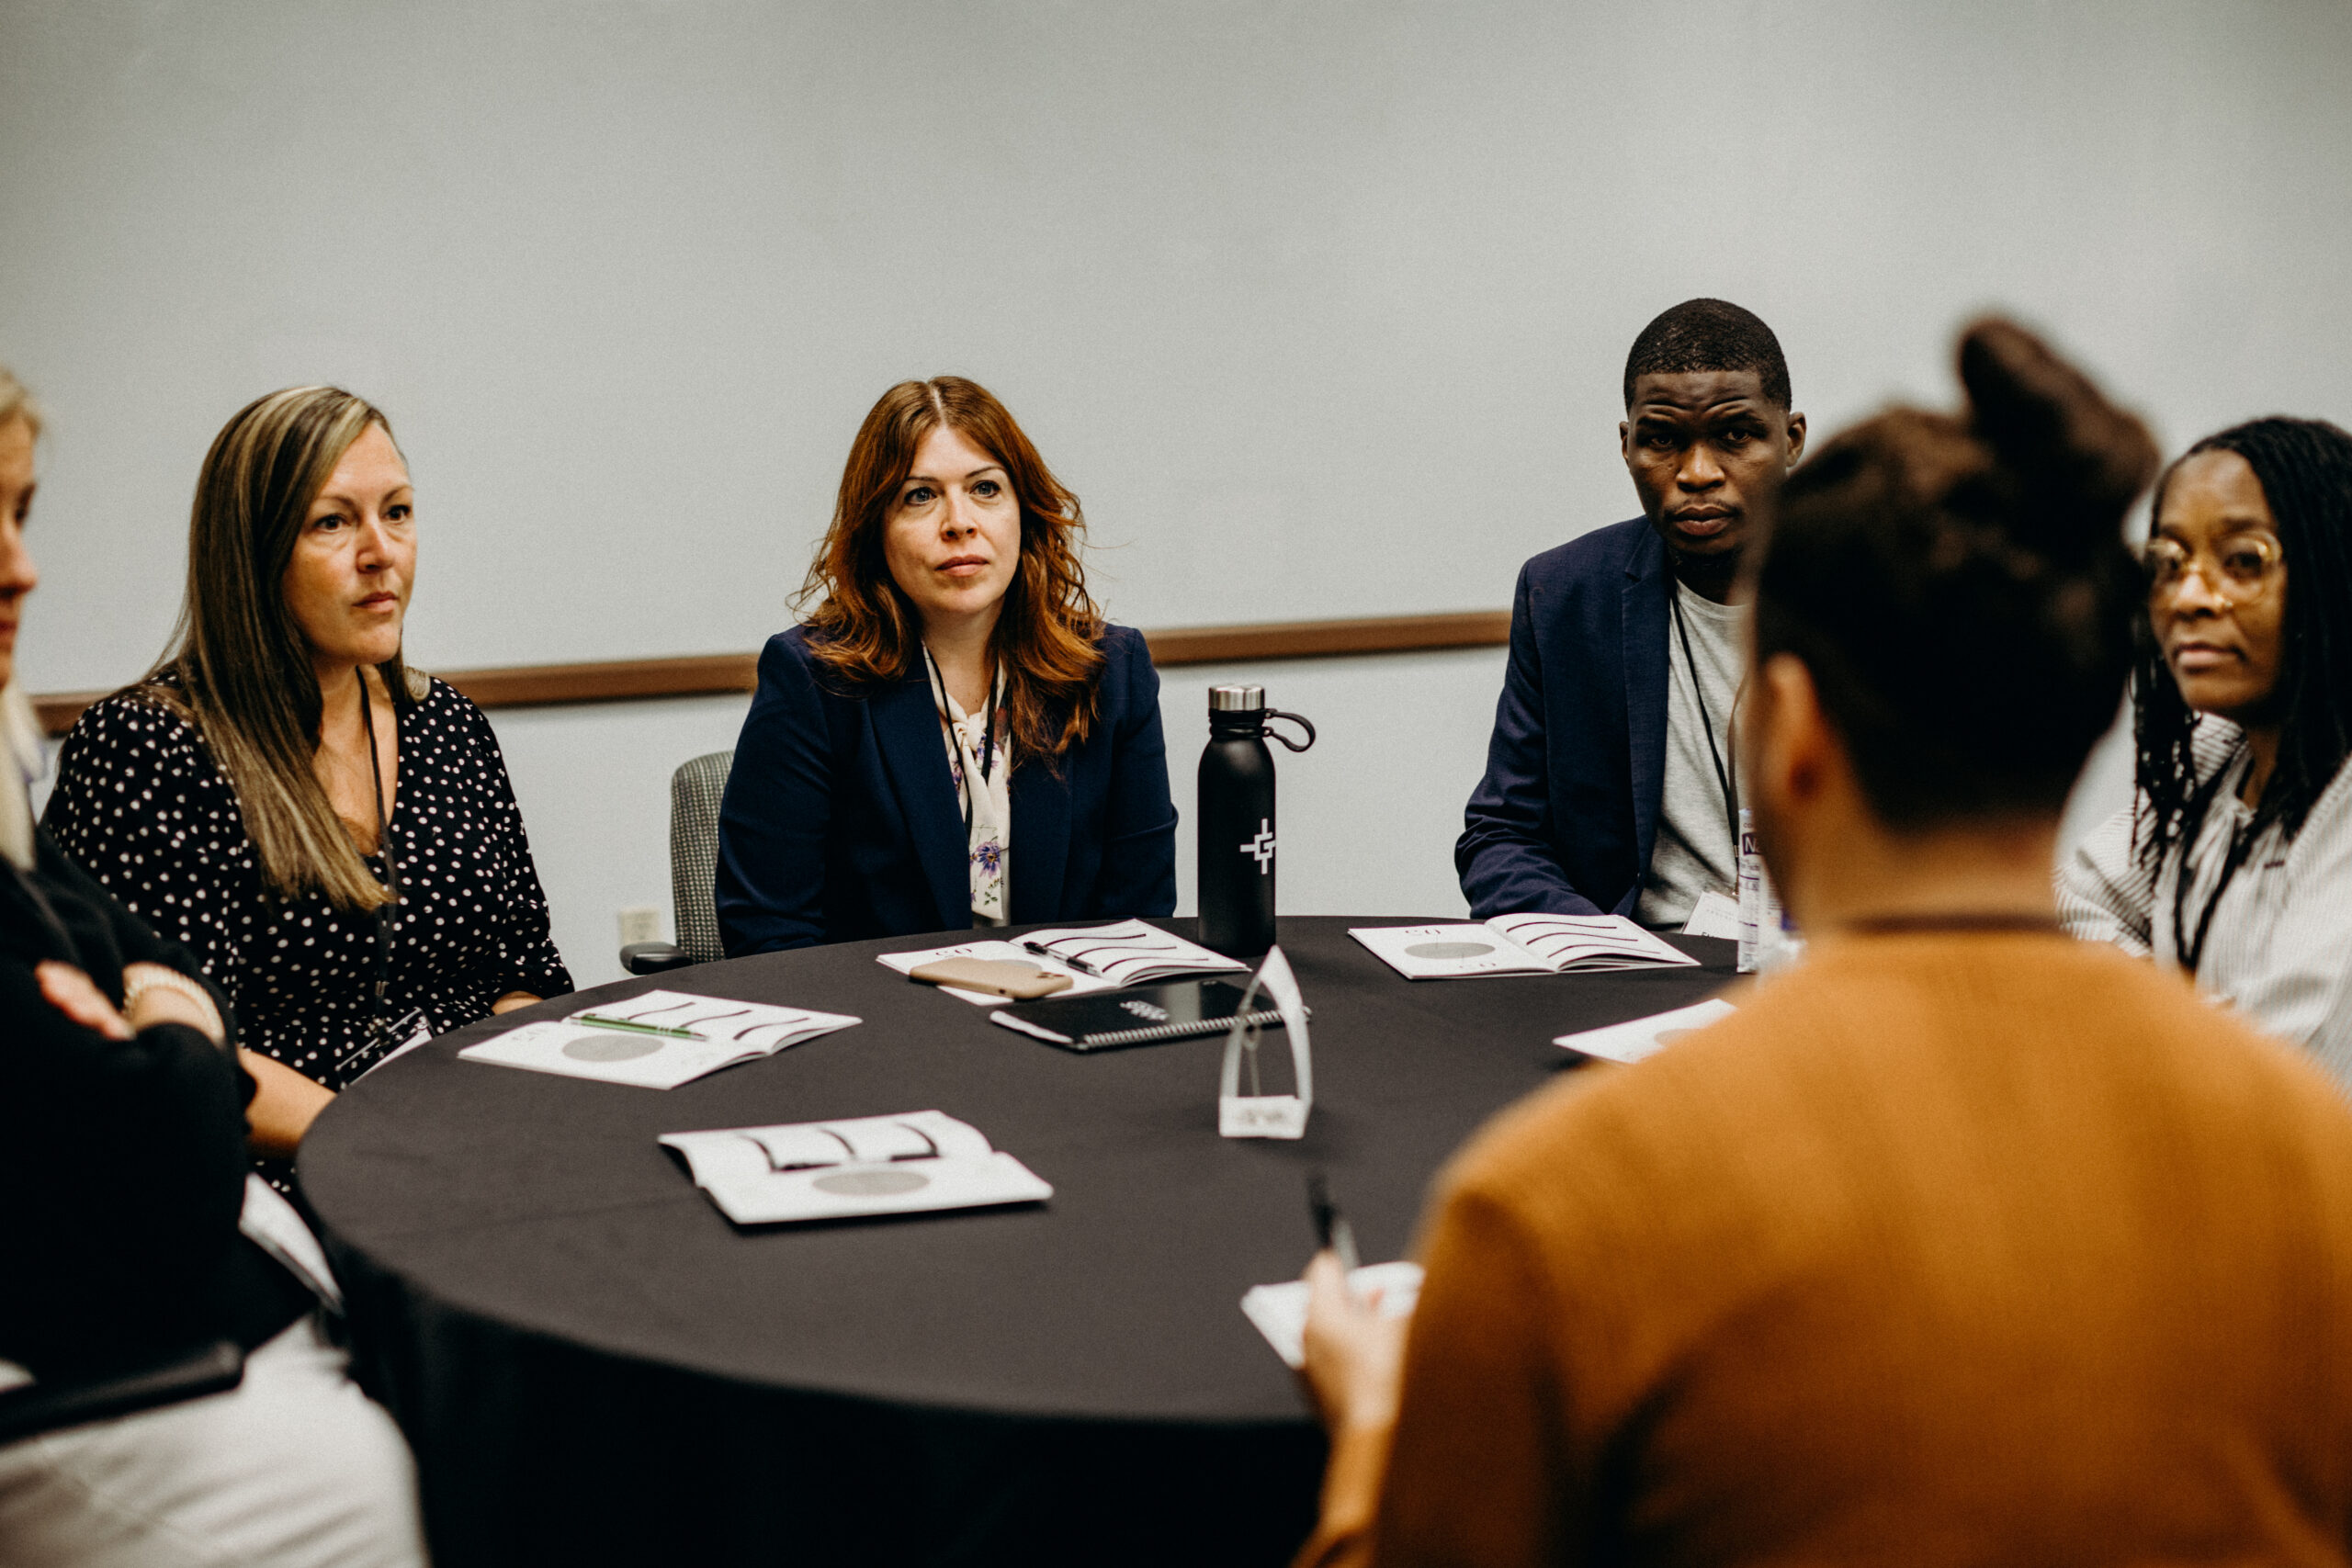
x=594, y=1365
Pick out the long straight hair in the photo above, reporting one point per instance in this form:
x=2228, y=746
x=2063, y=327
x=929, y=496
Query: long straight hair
x=2304, y=466
x=239, y=667
x=864, y=627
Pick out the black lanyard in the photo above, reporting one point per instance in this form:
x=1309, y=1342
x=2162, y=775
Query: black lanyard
x=392, y=868
x=1707, y=720
x=987, y=738
x=2192, y=953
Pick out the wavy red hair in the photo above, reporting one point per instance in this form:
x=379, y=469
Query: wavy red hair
x=864, y=627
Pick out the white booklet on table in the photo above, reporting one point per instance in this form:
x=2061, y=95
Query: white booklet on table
x=1518, y=944
x=658, y=1040
x=1629, y=1043
x=1095, y=958
x=867, y=1165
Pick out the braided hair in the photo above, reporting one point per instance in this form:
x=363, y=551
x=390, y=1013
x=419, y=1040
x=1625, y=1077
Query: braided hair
x=1959, y=588
x=2304, y=466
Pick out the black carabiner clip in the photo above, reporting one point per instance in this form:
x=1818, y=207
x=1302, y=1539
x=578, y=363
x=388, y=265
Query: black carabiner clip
x=1273, y=714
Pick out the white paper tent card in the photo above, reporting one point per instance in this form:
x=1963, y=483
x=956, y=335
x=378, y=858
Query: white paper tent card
x=1280, y=1311
x=658, y=1040
x=1517, y=944
x=912, y=1164
x=1093, y=958
x=1629, y=1043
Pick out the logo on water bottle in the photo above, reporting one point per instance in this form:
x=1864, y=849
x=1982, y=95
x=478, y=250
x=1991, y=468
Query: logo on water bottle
x=1262, y=846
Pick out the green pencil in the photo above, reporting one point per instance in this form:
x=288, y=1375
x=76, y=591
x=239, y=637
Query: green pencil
x=596, y=1021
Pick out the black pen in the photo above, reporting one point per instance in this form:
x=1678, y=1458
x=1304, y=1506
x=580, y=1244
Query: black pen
x=1332, y=1232
x=1080, y=965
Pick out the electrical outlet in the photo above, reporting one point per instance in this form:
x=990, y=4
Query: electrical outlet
x=642, y=923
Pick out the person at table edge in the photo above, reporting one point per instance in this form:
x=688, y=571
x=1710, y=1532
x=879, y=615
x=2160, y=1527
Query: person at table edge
x=123, y=1181
x=1611, y=787
x=244, y=796
x=1962, y=1242
x=953, y=738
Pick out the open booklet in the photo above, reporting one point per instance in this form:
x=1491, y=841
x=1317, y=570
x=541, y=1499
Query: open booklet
x=1095, y=958
x=869, y=1165
x=1517, y=944
x=658, y=1040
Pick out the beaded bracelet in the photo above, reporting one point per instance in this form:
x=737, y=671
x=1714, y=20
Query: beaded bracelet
x=154, y=976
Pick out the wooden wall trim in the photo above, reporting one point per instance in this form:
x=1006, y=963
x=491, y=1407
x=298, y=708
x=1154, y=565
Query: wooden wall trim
x=705, y=674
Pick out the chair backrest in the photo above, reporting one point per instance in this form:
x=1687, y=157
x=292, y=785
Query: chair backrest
x=694, y=792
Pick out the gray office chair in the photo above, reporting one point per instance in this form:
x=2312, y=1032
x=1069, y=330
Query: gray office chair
x=694, y=792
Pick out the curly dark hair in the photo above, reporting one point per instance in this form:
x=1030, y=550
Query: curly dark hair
x=1959, y=589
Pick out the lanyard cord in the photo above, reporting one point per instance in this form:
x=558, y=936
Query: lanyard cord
x=384, y=846
x=987, y=738
x=2241, y=846
x=1707, y=720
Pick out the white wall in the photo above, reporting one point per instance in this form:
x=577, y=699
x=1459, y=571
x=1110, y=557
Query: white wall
x=1368, y=816
x=1320, y=305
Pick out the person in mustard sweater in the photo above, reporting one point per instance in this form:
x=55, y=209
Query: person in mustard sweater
x=1961, y=1242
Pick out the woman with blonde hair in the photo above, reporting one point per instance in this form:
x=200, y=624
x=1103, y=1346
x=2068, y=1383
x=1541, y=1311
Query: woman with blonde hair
x=332, y=832
x=953, y=737
x=133, y=1230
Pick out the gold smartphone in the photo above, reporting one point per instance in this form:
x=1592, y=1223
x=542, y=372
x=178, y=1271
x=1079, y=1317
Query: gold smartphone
x=997, y=976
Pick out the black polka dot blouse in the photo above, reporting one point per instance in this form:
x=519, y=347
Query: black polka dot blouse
x=139, y=804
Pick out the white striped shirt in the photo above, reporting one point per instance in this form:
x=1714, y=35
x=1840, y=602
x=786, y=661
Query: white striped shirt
x=2280, y=946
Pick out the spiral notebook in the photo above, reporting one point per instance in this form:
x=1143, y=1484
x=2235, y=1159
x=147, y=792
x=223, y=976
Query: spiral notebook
x=1141, y=1015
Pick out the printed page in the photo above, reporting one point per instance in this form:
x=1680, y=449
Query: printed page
x=1716, y=915
x=1585, y=942
x=1631, y=1042
x=1280, y=1311
x=607, y=1055
x=759, y=1026
x=1451, y=951
x=922, y=1161
x=1126, y=953
x=644, y=1057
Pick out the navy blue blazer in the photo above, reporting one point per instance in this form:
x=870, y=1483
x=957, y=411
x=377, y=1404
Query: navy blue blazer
x=1564, y=821
x=840, y=819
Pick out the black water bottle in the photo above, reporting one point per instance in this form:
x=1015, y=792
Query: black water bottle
x=1236, y=820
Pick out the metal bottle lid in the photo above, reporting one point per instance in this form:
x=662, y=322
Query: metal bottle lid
x=1236, y=699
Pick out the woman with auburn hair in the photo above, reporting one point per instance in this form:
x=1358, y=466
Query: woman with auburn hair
x=952, y=697
x=331, y=832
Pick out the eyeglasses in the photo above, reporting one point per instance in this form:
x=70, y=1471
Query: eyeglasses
x=2240, y=568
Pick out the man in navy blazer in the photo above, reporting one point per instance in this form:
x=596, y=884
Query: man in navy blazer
x=1610, y=784
x=840, y=820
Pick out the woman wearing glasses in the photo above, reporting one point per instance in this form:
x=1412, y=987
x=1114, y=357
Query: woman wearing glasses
x=2234, y=862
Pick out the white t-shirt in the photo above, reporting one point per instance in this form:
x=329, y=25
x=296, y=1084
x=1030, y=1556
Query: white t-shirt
x=1695, y=851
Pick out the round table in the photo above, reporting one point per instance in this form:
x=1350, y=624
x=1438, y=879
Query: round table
x=594, y=1365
